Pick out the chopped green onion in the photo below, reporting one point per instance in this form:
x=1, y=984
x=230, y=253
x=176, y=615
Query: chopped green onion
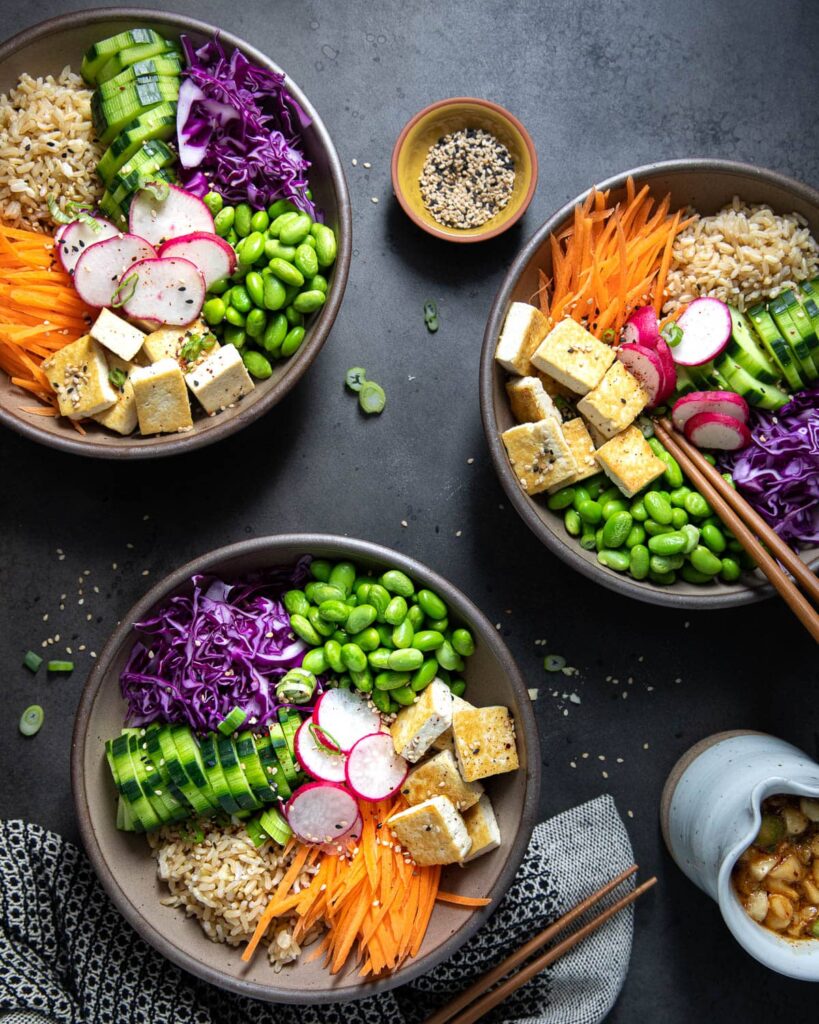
x=73, y=211
x=125, y=290
x=161, y=188
x=554, y=662
x=192, y=835
x=609, y=335
x=372, y=398
x=297, y=686
x=32, y=661
x=431, y=315
x=31, y=720
x=58, y=215
x=673, y=334
x=355, y=378
x=324, y=739
x=231, y=722
x=60, y=666
x=117, y=378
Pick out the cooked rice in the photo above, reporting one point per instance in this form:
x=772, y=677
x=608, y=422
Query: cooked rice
x=226, y=883
x=742, y=255
x=47, y=147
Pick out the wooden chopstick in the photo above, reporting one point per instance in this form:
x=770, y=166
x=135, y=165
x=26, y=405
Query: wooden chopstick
x=478, y=1000
x=735, y=512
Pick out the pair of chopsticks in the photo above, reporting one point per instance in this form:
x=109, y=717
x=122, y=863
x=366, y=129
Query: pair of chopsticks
x=750, y=529
x=481, y=997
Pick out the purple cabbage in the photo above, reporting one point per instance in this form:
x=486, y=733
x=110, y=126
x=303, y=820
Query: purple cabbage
x=240, y=130
x=223, y=645
x=778, y=473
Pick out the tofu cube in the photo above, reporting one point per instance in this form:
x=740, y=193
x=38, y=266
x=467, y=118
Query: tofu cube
x=524, y=329
x=629, y=462
x=417, y=727
x=78, y=374
x=445, y=740
x=482, y=826
x=616, y=401
x=167, y=343
x=529, y=400
x=161, y=398
x=440, y=777
x=539, y=455
x=432, y=832
x=117, y=335
x=578, y=439
x=120, y=417
x=221, y=380
x=573, y=356
x=484, y=742
x=552, y=388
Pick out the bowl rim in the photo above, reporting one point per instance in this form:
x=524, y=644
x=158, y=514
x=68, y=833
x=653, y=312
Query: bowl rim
x=430, y=228
x=268, y=547
x=174, y=444
x=569, y=553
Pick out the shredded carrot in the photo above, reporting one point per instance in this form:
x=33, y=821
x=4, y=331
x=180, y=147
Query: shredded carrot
x=462, y=901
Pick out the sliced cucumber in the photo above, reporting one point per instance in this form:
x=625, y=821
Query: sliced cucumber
x=744, y=349
x=282, y=752
x=275, y=825
x=685, y=384
x=157, y=123
x=130, y=785
x=216, y=777
x=775, y=345
x=161, y=745
x=273, y=770
x=134, y=55
x=191, y=761
x=708, y=377
x=766, y=396
x=167, y=807
x=802, y=322
x=152, y=156
x=257, y=834
x=810, y=304
x=100, y=53
x=168, y=66
x=252, y=767
x=111, y=115
x=778, y=309
x=239, y=788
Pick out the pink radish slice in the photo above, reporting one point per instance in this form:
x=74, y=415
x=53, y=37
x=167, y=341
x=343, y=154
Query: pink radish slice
x=214, y=257
x=667, y=359
x=718, y=431
x=374, y=770
x=642, y=327
x=320, y=812
x=180, y=213
x=644, y=364
x=317, y=760
x=706, y=327
x=346, y=716
x=103, y=264
x=168, y=291
x=337, y=846
x=73, y=239
x=725, y=402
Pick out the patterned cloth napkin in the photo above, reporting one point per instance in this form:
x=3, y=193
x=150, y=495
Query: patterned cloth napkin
x=66, y=955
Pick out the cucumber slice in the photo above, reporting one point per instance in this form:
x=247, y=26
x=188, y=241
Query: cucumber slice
x=239, y=788
x=164, y=753
x=775, y=345
x=252, y=767
x=778, y=309
x=111, y=115
x=167, y=807
x=685, y=384
x=257, y=834
x=766, y=396
x=155, y=756
x=216, y=777
x=275, y=825
x=130, y=785
x=152, y=156
x=744, y=350
x=709, y=377
x=168, y=66
x=134, y=55
x=811, y=306
x=803, y=324
x=190, y=760
x=100, y=53
x=272, y=767
x=282, y=752
x=157, y=123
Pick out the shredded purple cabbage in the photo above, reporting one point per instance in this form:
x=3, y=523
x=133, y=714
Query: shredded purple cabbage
x=223, y=645
x=778, y=472
x=254, y=156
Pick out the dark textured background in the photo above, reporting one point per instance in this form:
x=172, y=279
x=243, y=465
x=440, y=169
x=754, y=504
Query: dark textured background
x=601, y=87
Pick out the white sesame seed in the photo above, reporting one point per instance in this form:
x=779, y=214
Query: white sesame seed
x=374, y=199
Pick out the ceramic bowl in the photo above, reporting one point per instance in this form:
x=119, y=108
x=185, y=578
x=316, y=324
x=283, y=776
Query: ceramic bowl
x=128, y=871
x=706, y=185
x=452, y=115
x=46, y=49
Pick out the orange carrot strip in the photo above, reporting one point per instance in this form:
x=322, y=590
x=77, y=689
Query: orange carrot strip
x=290, y=876
x=462, y=901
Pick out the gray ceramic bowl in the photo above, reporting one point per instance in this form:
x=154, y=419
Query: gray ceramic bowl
x=127, y=870
x=46, y=49
x=706, y=185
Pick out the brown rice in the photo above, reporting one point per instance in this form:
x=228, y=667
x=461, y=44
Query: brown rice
x=47, y=147
x=742, y=255
x=226, y=883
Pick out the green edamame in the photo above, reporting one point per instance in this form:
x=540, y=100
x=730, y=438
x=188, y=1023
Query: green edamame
x=679, y=517
x=318, y=282
x=276, y=225
x=390, y=680
x=653, y=529
x=639, y=560
x=334, y=611
x=397, y=582
x=427, y=640
x=636, y=535
x=214, y=202
x=448, y=658
x=612, y=507
x=296, y=230
x=256, y=323
x=315, y=661
x=663, y=579
x=441, y=625
x=292, y=341
x=692, y=537
x=367, y=639
x=638, y=510
x=323, y=628
x=396, y=611
x=260, y=221
x=214, y=311
x=342, y=575
x=668, y=544
x=309, y=301
x=332, y=652
x=561, y=499
x=257, y=366
x=619, y=561
x=581, y=495
x=712, y=538
x=431, y=605
x=235, y=335
x=692, y=575
x=286, y=272
x=223, y=221
x=731, y=570
x=658, y=508
x=665, y=563
x=318, y=591
x=696, y=506
x=380, y=658
x=301, y=627
x=382, y=701
x=240, y=299
x=273, y=247
x=326, y=247
x=678, y=496
x=254, y=285
x=279, y=207
x=588, y=538
x=296, y=603
x=463, y=642
x=590, y=512
x=241, y=222
x=406, y=659
x=362, y=616
x=572, y=522
x=275, y=334
x=403, y=634
x=353, y=657
x=458, y=688
x=617, y=528
x=249, y=250
x=306, y=260
x=362, y=681
x=416, y=616
x=294, y=317
x=425, y=674
x=705, y=561
x=379, y=598
x=274, y=294
x=403, y=695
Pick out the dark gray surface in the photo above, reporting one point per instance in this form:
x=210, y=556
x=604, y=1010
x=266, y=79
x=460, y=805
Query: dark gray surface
x=601, y=87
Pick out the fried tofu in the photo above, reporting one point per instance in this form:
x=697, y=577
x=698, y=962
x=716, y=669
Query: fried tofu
x=529, y=400
x=117, y=335
x=484, y=742
x=220, y=380
x=616, y=402
x=432, y=832
x=577, y=438
x=482, y=826
x=629, y=462
x=445, y=740
x=121, y=417
x=573, y=356
x=417, y=727
x=539, y=454
x=167, y=343
x=161, y=398
x=78, y=373
x=524, y=329
x=439, y=776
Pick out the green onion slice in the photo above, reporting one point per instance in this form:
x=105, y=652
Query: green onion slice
x=431, y=315
x=554, y=662
x=125, y=290
x=31, y=720
x=231, y=722
x=161, y=188
x=372, y=398
x=609, y=335
x=355, y=378
x=73, y=211
x=325, y=739
x=32, y=661
x=117, y=378
x=60, y=666
x=673, y=334
x=193, y=835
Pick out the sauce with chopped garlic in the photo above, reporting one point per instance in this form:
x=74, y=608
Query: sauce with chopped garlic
x=777, y=877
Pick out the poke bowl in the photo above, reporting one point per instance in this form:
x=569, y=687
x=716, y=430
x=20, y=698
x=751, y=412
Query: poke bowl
x=664, y=290
x=347, y=759
x=148, y=346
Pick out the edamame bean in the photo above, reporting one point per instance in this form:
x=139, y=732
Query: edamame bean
x=219, y=287
x=730, y=571
x=325, y=245
x=235, y=335
x=638, y=510
x=431, y=605
x=440, y=625
x=273, y=292
x=692, y=575
x=296, y=230
x=638, y=564
x=598, y=539
x=380, y=658
x=590, y=512
x=710, y=459
x=678, y=496
x=658, y=508
x=594, y=485
x=617, y=560
x=286, y=272
x=653, y=529
x=292, y=341
x=363, y=680
x=353, y=657
x=315, y=661
x=667, y=544
x=214, y=202
x=214, y=311
x=334, y=611
x=609, y=494
x=241, y=222
x=692, y=537
x=561, y=499
x=279, y=207
x=406, y=659
x=403, y=695
x=309, y=302
x=403, y=634
x=382, y=701
x=323, y=628
x=679, y=517
x=310, y=241
x=463, y=642
x=276, y=225
x=617, y=528
x=318, y=591
x=396, y=610
x=696, y=506
x=425, y=674
x=391, y=680
x=234, y=317
x=232, y=238
x=318, y=282
x=294, y=317
x=448, y=658
x=662, y=563
x=673, y=475
x=223, y=221
x=273, y=247
x=254, y=285
x=306, y=260
x=663, y=579
x=397, y=582
x=712, y=538
x=427, y=640
x=257, y=366
x=612, y=507
x=274, y=334
x=458, y=688
x=704, y=561
x=250, y=249
x=367, y=639
x=588, y=538
x=379, y=598
x=332, y=652
x=296, y=603
x=301, y=627
x=260, y=221
x=362, y=616
x=341, y=636
x=572, y=522
x=637, y=535
x=416, y=617
x=581, y=495
x=256, y=323
x=240, y=299
x=342, y=575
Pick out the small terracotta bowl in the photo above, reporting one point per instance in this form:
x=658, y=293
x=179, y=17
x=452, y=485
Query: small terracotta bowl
x=452, y=115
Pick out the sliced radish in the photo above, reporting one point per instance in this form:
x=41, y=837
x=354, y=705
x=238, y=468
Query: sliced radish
x=642, y=327
x=316, y=758
x=320, y=812
x=644, y=364
x=718, y=431
x=667, y=359
x=178, y=214
x=74, y=238
x=706, y=327
x=337, y=846
x=374, y=770
x=725, y=402
x=167, y=291
x=346, y=716
x=103, y=264
x=214, y=257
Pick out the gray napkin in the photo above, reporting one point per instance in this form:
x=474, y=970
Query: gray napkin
x=66, y=954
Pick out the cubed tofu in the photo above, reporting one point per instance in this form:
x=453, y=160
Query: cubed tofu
x=573, y=356
x=580, y=443
x=78, y=373
x=445, y=740
x=432, y=832
x=484, y=742
x=121, y=417
x=539, y=454
x=616, y=401
x=167, y=343
x=161, y=398
x=482, y=826
x=529, y=401
x=439, y=776
x=117, y=335
x=524, y=329
x=597, y=438
x=221, y=380
x=416, y=727
x=552, y=388
x=629, y=462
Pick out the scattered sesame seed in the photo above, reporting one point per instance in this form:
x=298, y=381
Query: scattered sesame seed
x=458, y=533
x=367, y=164
x=354, y=162
x=645, y=746
x=93, y=654
x=114, y=566
x=605, y=774
x=533, y=693
x=89, y=617
x=572, y=764
x=630, y=813
x=45, y=617
x=374, y=199
x=403, y=523
x=146, y=572
x=469, y=461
